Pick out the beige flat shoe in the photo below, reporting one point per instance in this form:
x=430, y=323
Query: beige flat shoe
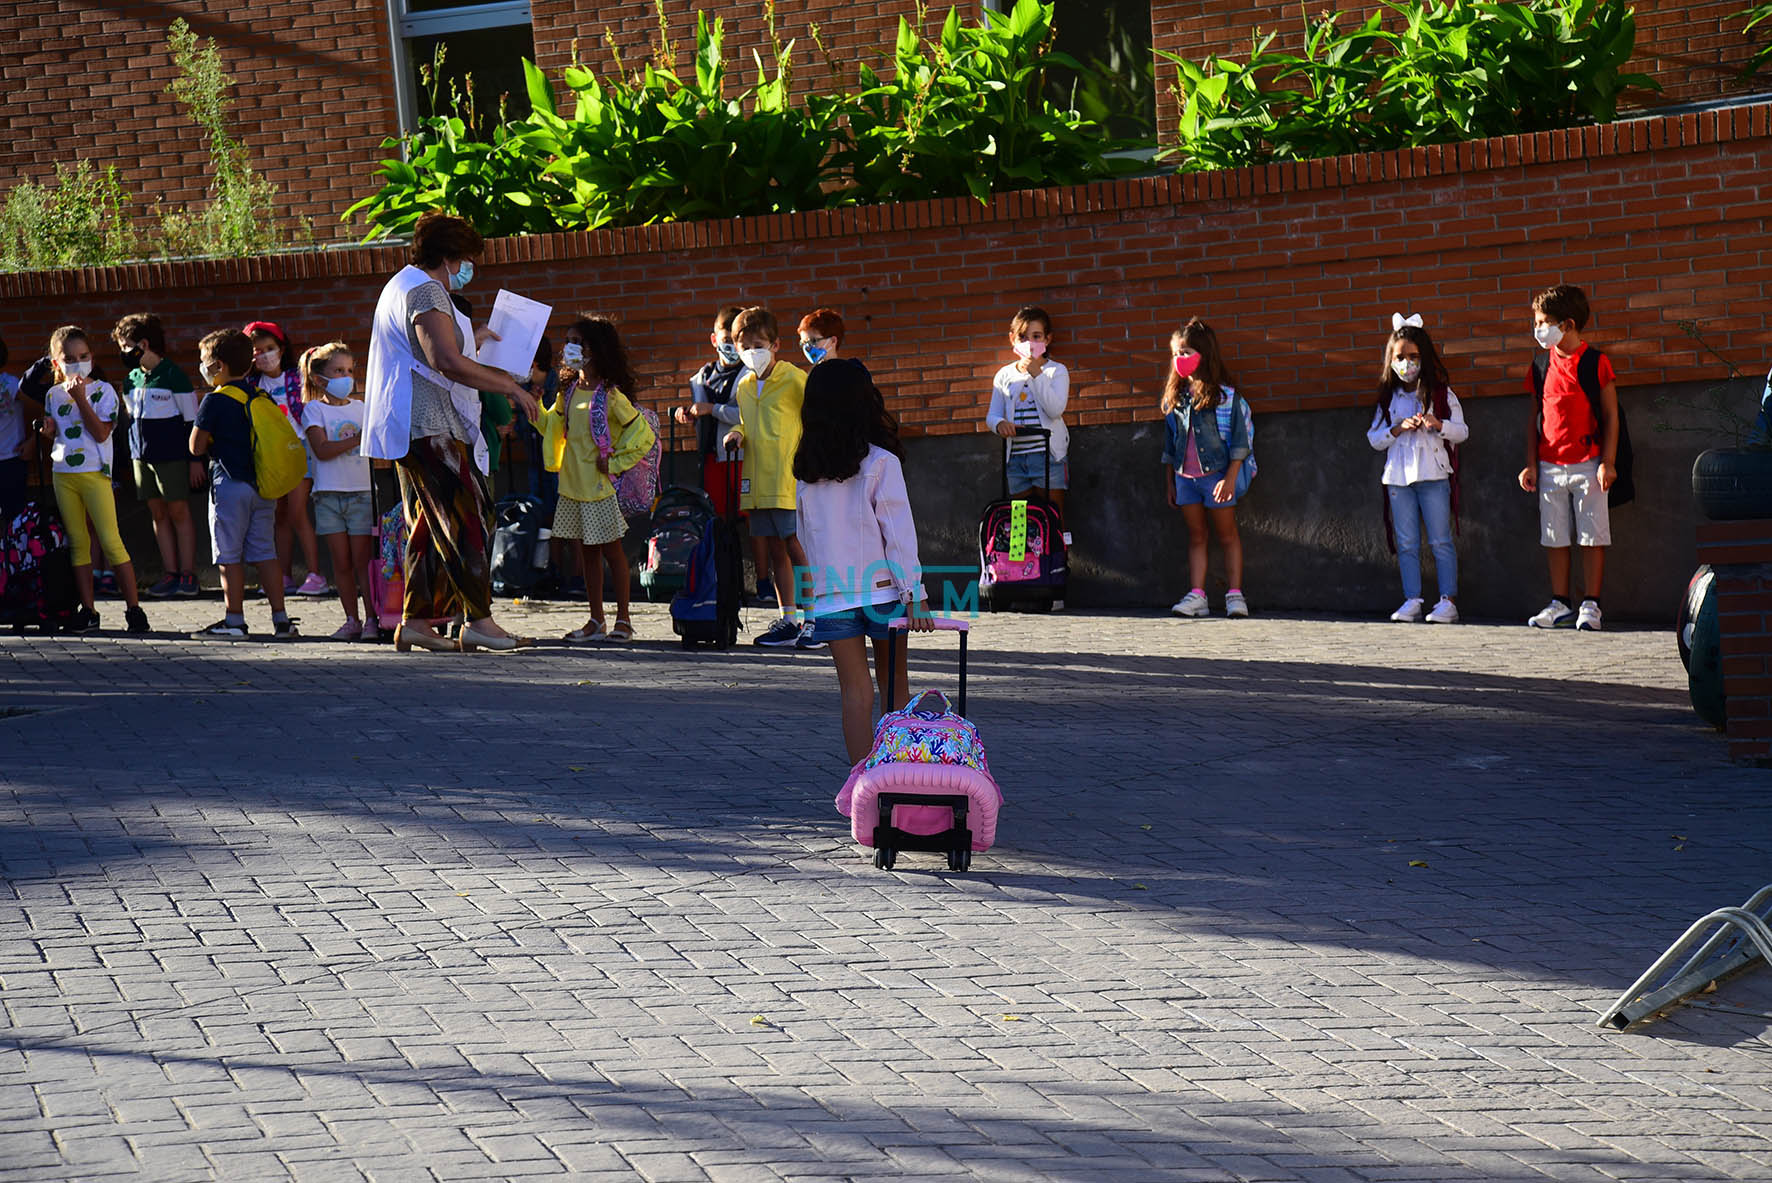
x=405, y=639
x=472, y=639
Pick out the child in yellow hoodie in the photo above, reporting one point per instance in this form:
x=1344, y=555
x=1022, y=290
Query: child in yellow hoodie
x=769, y=398
x=596, y=434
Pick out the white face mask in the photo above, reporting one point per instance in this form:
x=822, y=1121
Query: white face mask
x=210, y=372
x=77, y=369
x=1547, y=336
x=1407, y=369
x=757, y=360
x=572, y=354
x=341, y=386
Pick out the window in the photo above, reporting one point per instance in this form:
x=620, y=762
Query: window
x=483, y=43
x=1113, y=36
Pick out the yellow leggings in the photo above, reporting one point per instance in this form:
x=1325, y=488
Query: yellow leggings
x=78, y=494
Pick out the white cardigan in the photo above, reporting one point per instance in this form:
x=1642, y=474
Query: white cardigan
x=1416, y=456
x=860, y=540
x=1051, y=389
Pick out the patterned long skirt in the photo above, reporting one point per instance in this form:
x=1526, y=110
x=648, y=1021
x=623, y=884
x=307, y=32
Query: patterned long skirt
x=448, y=531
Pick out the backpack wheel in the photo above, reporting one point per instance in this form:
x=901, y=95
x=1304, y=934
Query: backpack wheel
x=688, y=644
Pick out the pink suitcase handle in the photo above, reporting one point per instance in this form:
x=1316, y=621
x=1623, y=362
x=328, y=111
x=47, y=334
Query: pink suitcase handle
x=950, y=624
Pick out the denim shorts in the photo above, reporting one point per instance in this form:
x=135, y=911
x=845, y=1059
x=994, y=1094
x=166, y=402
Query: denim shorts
x=1197, y=490
x=870, y=621
x=773, y=523
x=343, y=513
x=1027, y=470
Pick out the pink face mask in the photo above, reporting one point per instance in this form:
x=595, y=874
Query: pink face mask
x=1186, y=364
x=1027, y=349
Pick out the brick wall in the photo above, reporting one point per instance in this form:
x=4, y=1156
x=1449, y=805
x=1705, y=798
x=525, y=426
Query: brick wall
x=316, y=90
x=315, y=96
x=1741, y=554
x=1298, y=266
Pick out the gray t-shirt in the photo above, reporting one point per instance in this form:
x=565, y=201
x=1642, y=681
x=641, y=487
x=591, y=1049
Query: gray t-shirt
x=433, y=411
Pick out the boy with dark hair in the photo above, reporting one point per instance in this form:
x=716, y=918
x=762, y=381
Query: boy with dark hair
x=769, y=396
x=242, y=524
x=162, y=406
x=1572, y=448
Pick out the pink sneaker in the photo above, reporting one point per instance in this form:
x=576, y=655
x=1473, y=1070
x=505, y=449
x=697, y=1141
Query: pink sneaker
x=350, y=630
x=314, y=585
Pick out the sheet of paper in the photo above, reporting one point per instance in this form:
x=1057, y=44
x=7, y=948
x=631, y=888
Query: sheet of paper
x=519, y=323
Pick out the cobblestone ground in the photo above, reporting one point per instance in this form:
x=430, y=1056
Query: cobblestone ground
x=328, y=912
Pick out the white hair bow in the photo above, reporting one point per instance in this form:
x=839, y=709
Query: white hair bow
x=1398, y=320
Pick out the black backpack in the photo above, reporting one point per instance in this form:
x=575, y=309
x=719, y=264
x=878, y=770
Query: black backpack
x=1587, y=372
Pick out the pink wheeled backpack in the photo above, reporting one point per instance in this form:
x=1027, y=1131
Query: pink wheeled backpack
x=925, y=784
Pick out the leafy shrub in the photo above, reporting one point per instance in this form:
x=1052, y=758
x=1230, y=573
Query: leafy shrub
x=240, y=217
x=965, y=114
x=78, y=220
x=1757, y=15
x=1455, y=70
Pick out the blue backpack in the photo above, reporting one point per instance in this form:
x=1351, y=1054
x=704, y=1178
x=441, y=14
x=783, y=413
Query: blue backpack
x=705, y=612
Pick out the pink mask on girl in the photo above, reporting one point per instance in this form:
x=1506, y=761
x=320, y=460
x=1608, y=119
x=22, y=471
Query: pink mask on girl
x=1029, y=349
x=1186, y=364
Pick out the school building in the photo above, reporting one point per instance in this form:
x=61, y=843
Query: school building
x=1662, y=216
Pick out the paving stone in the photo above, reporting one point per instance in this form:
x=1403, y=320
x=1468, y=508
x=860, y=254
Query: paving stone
x=324, y=911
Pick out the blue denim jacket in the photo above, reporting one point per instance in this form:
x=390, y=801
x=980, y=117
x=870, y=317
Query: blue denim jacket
x=1214, y=456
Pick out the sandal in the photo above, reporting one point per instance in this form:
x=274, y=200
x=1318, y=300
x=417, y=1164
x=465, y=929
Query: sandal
x=623, y=631
x=591, y=632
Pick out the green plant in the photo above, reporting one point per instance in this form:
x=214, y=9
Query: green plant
x=1758, y=14
x=1718, y=408
x=77, y=220
x=646, y=146
x=965, y=113
x=240, y=216
x=1454, y=70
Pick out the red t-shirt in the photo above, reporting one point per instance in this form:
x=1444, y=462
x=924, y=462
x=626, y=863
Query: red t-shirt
x=1571, y=432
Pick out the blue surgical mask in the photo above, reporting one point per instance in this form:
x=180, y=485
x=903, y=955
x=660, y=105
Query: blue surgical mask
x=462, y=276
x=341, y=386
x=814, y=353
x=728, y=353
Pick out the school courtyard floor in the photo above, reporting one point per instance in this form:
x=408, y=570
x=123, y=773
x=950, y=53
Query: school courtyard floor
x=1283, y=899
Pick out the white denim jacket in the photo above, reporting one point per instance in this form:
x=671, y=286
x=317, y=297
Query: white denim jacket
x=860, y=540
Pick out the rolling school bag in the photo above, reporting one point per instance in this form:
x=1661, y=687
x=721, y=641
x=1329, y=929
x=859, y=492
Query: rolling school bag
x=36, y=565
x=1023, y=550
x=679, y=519
x=925, y=784
x=705, y=612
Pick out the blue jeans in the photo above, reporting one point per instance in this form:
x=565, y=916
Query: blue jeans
x=1412, y=506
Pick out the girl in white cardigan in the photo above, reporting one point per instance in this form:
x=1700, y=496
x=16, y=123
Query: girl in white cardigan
x=1418, y=425
x=1031, y=392
x=861, y=543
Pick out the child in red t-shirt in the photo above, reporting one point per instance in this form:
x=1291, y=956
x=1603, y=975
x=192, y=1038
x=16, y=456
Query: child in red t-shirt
x=1571, y=457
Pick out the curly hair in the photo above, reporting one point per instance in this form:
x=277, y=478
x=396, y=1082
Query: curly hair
x=606, y=358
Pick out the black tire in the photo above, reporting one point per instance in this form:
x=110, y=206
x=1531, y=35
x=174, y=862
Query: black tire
x=1733, y=483
x=965, y=860
x=688, y=644
x=888, y=857
x=954, y=860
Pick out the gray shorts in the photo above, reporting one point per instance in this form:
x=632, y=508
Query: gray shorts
x=343, y=513
x=773, y=523
x=241, y=523
x=1572, y=508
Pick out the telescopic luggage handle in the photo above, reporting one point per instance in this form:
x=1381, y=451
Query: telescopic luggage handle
x=1043, y=433
x=948, y=624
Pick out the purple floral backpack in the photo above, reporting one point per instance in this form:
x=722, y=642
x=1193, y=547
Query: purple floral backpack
x=927, y=732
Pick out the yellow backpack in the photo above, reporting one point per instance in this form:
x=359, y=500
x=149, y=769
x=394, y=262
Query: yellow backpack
x=279, y=458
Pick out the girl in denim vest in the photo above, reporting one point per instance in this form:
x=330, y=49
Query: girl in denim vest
x=1210, y=433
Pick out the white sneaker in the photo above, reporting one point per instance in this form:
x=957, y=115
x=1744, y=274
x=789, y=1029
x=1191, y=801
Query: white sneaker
x=1588, y=620
x=1192, y=604
x=1445, y=612
x=1235, y=606
x=1555, y=614
x=1409, y=613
